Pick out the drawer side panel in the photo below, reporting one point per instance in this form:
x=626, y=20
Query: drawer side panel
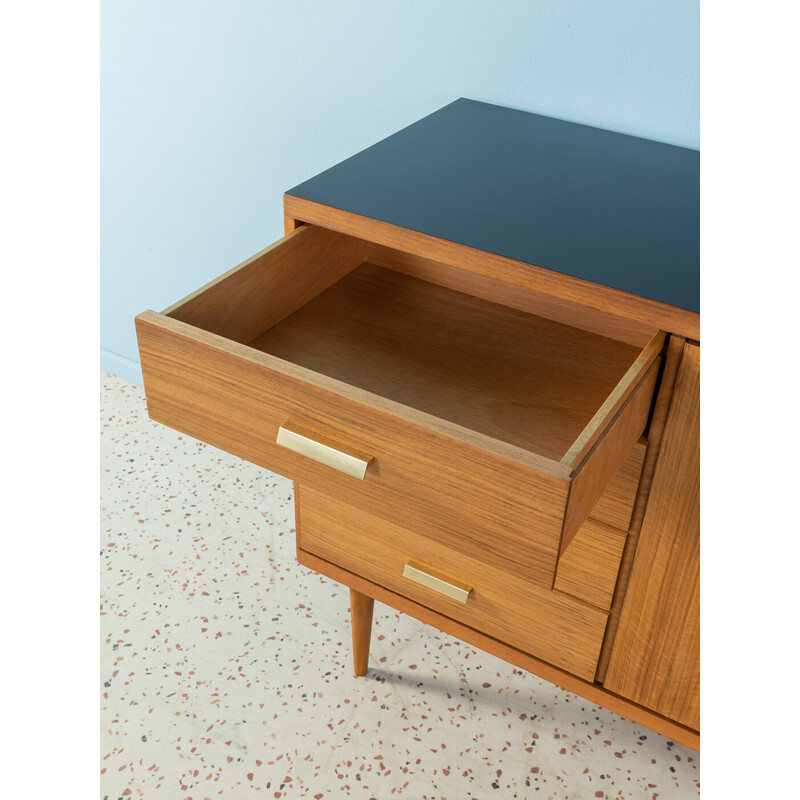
x=608, y=455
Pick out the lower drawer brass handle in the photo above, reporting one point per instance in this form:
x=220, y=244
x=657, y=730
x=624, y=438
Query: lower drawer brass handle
x=433, y=579
x=320, y=448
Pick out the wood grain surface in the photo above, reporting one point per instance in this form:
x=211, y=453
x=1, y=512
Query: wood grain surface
x=655, y=660
x=588, y=568
x=558, y=629
x=615, y=505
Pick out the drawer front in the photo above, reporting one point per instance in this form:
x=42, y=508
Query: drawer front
x=237, y=399
x=461, y=585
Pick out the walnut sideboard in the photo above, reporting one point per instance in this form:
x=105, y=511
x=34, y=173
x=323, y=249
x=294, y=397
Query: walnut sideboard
x=476, y=354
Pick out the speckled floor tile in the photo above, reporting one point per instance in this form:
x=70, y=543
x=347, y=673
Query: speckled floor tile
x=226, y=668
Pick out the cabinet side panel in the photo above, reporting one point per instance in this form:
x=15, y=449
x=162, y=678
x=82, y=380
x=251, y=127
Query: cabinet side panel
x=656, y=656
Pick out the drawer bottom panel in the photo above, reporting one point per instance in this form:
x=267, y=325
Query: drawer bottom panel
x=555, y=628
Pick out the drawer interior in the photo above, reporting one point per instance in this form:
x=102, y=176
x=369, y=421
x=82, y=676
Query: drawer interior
x=505, y=373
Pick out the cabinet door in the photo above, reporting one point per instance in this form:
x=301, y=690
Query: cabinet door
x=655, y=660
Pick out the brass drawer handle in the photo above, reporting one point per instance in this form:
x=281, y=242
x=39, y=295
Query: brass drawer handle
x=432, y=579
x=322, y=449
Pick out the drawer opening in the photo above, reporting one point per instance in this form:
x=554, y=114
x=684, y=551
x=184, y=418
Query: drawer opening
x=314, y=301
x=504, y=373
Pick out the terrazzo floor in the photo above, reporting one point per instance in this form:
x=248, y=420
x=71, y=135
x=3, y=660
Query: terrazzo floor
x=226, y=668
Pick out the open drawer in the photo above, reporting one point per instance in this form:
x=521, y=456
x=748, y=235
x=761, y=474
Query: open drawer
x=491, y=428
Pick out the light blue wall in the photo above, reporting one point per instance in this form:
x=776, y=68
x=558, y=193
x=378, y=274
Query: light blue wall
x=211, y=110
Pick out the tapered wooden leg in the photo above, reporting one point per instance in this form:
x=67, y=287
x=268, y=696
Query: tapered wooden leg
x=361, y=622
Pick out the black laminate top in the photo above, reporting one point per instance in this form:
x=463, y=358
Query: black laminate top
x=609, y=208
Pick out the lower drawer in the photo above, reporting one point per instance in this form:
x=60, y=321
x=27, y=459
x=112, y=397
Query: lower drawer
x=553, y=627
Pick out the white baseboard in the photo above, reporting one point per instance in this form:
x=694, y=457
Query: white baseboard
x=122, y=367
